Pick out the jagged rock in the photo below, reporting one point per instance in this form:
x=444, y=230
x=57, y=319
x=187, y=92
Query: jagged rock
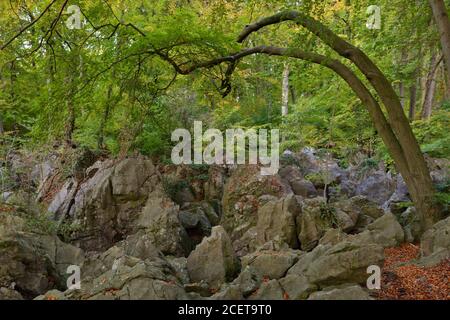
x=159, y=219
x=106, y=205
x=290, y=173
x=196, y=223
x=213, y=260
x=361, y=211
x=134, y=279
x=277, y=219
x=228, y=292
x=437, y=238
x=333, y=236
x=385, y=231
x=200, y=288
x=344, y=262
x=303, y=188
x=247, y=243
x=410, y=221
x=214, y=185
x=63, y=200
x=52, y=295
x=179, y=265
x=33, y=263
x=25, y=261
x=297, y=287
x=377, y=187
x=9, y=294
x=312, y=223
x=270, y=290
x=240, y=198
x=270, y=264
x=305, y=260
x=345, y=292
x=248, y=281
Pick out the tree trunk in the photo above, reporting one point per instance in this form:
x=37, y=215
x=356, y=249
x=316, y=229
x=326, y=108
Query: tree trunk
x=430, y=87
x=285, y=91
x=101, y=130
x=412, y=100
x=443, y=25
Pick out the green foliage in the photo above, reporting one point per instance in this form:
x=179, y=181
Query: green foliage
x=328, y=214
x=173, y=186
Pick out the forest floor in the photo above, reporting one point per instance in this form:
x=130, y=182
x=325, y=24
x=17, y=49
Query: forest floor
x=402, y=281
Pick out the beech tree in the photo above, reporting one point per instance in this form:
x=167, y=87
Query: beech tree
x=443, y=25
x=394, y=129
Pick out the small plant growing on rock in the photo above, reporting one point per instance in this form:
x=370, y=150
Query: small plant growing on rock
x=328, y=214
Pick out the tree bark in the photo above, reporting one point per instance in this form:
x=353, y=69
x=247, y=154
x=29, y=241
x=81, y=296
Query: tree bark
x=443, y=25
x=430, y=87
x=285, y=91
x=412, y=101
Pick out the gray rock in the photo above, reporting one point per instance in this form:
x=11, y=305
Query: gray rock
x=277, y=219
x=248, y=281
x=303, y=188
x=347, y=292
x=270, y=264
x=213, y=260
x=297, y=287
x=332, y=236
x=343, y=263
x=311, y=224
x=377, y=187
x=9, y=294
x=270, y=290
x=437, y=238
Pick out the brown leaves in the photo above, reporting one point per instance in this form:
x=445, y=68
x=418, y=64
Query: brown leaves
x=411, y=282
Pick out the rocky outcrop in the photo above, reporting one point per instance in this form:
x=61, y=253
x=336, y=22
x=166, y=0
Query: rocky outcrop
x=240, y=198
x=435, y=242
x=213, y=260
x=277, y=219
x=32, y=263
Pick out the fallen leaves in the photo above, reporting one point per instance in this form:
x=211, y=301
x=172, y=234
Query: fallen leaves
x=411, y=282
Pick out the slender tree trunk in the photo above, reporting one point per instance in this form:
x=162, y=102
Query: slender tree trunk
x=430, y=87
x=1, y=125
x=285, y=91
x=443, y=24
x=101, y=130
x=412, y=101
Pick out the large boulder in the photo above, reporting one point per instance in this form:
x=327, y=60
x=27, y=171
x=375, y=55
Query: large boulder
x=159, y=219
x=277, y=219
x=270, y=264
x=377, y=187
x=270, y=290
x=316, y=218
x=297, y=287
x=343, y=263
x=385, y=231
x=213, y=260
x=437, y=239
x=345, y=292
x=32, y=263
x=131, y=278
x=105, y=205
